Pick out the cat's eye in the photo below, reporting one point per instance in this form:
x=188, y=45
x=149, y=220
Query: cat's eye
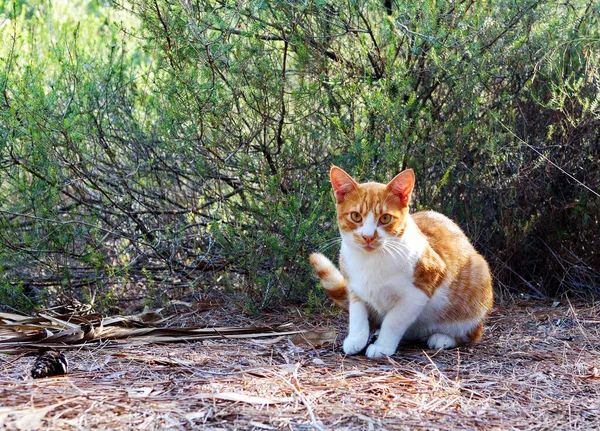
x=355, y=217
x=385, y=219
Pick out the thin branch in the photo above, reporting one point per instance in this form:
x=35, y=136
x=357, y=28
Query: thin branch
x=309, y=409
x=543, y=156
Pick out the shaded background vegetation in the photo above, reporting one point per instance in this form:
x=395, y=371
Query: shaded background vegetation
x=159, y=148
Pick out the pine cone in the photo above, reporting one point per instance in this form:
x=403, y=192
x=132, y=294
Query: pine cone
x=50, y=363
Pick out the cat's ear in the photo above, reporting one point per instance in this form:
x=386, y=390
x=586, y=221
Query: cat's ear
x=402, y=186
x=342, y=183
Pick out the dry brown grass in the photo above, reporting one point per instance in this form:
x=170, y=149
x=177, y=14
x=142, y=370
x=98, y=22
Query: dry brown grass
x=536, y=368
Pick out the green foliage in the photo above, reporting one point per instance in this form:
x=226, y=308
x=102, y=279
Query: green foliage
x=14, y=296
x=180, y=144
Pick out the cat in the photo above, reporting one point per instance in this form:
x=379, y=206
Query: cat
x=415, y=276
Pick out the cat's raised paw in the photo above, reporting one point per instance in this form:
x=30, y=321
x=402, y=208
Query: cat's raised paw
x=441, y=341
x=375, y=351
x=354, y=344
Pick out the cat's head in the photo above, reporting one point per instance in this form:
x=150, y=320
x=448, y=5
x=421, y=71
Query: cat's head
x=369, y=214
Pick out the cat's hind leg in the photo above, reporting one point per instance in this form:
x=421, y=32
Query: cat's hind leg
x=441, y=341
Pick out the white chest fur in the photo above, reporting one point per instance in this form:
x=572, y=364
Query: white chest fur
x=384, y=276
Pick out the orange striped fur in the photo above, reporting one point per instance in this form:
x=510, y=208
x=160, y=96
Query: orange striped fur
x=417, y=276
x=332, y=280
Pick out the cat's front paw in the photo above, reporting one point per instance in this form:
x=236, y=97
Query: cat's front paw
x=355, y=343
x=375, y=351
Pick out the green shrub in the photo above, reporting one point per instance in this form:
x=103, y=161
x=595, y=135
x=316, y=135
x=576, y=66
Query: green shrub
x=180, y=145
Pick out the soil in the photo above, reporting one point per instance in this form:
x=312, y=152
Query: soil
x=536, y=368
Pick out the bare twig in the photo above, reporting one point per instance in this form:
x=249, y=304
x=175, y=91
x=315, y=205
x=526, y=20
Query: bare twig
x=306, y=403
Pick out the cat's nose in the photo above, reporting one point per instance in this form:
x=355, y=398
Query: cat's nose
x=368, y=238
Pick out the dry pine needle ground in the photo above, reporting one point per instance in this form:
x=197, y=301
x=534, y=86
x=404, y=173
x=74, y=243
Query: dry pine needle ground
x=537, y=367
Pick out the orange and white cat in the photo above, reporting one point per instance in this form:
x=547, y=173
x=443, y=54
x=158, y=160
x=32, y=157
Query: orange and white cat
x=416, y=276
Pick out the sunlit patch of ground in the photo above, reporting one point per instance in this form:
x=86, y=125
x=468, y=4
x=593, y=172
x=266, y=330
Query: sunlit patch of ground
x=537, y=367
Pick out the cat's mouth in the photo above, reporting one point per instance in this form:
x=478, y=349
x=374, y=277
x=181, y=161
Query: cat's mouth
x=367, y=243
x=370, y=246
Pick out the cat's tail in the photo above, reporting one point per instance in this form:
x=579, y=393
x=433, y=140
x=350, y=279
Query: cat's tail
x=332, y=280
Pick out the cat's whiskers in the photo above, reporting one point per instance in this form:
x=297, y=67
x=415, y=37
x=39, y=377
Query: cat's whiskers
x=396, y=249
x=329, y=244
x=397, y=242
x=396, y=256
x=390, y=251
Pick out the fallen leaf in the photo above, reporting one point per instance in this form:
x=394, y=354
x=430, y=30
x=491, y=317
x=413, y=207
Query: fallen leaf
x=12, y=317
x=316, y=338
x=29, y=418
x=261, y=425
x=243, y=398
x=199, y=414
x=139, y=392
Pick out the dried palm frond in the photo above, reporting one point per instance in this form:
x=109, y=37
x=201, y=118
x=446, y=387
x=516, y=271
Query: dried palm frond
x=18, y=333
